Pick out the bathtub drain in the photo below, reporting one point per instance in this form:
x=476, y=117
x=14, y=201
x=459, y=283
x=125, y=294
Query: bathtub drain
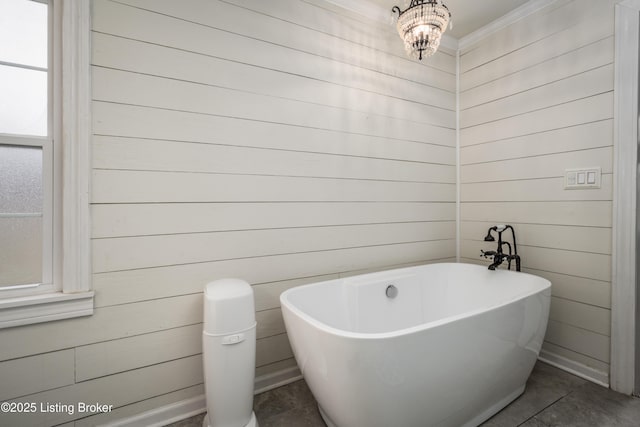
x=391, y=291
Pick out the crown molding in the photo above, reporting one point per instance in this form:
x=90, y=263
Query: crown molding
x=526, y=9
x=363, y=8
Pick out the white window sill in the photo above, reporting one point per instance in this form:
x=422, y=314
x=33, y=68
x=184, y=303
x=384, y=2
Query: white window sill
x=44, y=308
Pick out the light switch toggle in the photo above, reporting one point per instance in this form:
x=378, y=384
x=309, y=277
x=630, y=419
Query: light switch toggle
x=582, y=178
x=232, y=339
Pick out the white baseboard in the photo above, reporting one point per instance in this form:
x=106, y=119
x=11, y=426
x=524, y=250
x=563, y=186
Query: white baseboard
x=164, y=415
x=183, y=409
x=277, y=379
x=575, y=368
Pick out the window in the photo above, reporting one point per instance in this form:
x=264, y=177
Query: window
x=44, y=261
x=26, y=149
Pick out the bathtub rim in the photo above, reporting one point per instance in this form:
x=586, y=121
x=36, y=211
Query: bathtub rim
x=286, y=303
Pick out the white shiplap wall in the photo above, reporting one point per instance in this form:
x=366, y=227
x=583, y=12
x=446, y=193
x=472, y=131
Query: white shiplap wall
x=280, y=142
x=537, y=98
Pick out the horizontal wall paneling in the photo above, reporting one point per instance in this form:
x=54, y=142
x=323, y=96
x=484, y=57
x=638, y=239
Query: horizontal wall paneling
x=143, y=90
x=116, y=287
x=120, y=220
x=536, y=98
x=133, y=154
x=33, y=373
x=117, y=390
x=557, y=68
x=594, y=24
x=127, y=253
x=563, y=140
x=149, y=123
x=148, y=26
x=562, y=212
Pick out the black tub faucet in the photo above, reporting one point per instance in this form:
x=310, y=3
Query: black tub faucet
x=499, y=255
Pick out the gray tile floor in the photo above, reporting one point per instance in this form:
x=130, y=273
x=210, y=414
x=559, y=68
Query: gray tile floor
x=552, y=398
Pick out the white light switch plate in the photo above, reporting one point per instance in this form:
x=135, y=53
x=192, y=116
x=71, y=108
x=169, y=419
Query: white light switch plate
x=582, y=178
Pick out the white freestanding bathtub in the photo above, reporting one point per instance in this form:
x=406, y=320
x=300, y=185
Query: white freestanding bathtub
x=453, y=347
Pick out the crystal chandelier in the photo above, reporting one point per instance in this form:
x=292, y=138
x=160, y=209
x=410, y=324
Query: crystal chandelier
x=421, y=25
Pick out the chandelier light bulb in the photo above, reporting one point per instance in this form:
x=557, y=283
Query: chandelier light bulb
x=421, y=30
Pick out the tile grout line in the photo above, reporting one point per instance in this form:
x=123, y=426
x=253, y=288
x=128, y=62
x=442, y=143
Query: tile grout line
x=544, y=409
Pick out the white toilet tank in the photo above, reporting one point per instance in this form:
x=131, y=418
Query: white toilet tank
x=229, y=353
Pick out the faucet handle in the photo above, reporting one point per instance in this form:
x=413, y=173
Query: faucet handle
x=487, y=254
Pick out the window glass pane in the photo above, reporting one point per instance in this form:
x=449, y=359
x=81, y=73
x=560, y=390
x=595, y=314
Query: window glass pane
x=23, y=32
x=20, y=250
x=20, y=180
x=23, y=103
x=20, y=215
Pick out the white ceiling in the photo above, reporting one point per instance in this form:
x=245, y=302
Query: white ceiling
x=467, y=15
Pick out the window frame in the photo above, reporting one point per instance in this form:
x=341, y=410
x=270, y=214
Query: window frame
x=70, y=128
